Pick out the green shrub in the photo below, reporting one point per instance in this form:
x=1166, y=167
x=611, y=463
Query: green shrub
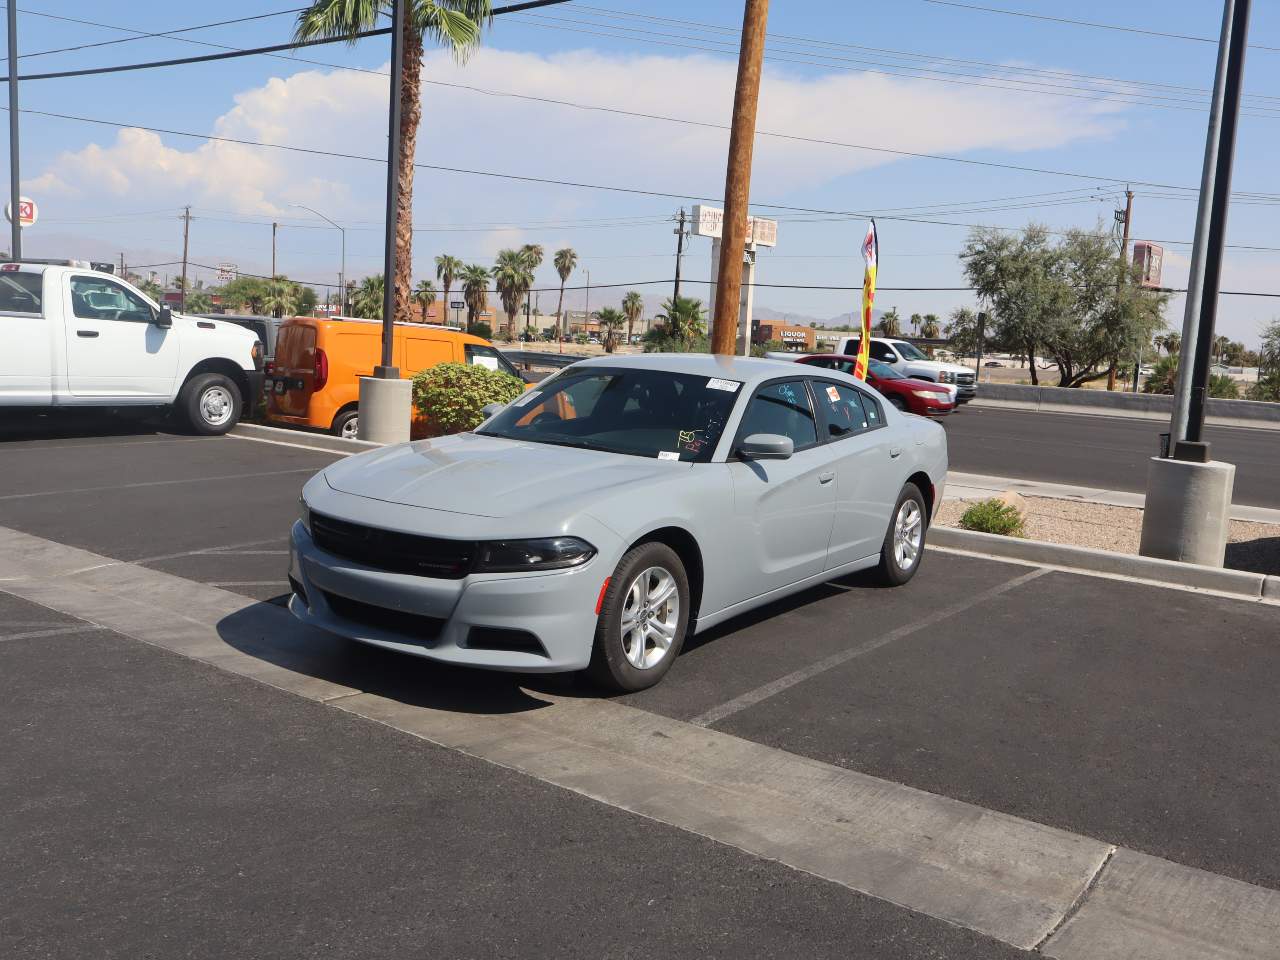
x=451, y=395
x=1164, y=379
x=481, y=330
x=993, y=516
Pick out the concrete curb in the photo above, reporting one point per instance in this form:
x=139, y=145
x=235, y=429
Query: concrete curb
x=301, y=438
x=1254, y=586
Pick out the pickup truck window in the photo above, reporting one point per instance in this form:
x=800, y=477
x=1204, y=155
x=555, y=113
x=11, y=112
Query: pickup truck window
x=93, y=298
x=20, y=292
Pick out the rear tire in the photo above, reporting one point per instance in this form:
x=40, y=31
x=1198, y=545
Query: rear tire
x=642, y=620
x=903, y=547
x=210, y=404
x=346, y=425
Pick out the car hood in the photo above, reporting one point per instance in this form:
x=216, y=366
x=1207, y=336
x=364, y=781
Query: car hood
x=491, y=477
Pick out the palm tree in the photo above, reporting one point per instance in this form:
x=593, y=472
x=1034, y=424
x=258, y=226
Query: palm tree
x=425, y=294
x=152, y=290
x=683, y=319
x=475, y=290
x=455, y=24
x=633, y=307
x=198, y=301
x=610, y=319
x=513, y=278
x=565, y=260
x=916, y=320
x=533, y=255
x=448, y=269
x=367, y=300
x=1220, y=345
x=281, y=297
x=930, y=329
x=1173, y=342
x=891, y=323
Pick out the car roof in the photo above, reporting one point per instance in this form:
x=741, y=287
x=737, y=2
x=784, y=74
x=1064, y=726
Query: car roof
x=749, y=370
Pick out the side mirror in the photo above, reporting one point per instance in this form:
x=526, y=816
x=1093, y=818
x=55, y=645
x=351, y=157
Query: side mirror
x=164, y=319
x=492, y=409
x=766, y=446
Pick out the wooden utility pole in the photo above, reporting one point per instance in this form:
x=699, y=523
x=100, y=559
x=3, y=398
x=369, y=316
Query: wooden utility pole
x=1124, y=269
x=274, y=228
x=675, y=295
x=737, y=181
x=186, y=232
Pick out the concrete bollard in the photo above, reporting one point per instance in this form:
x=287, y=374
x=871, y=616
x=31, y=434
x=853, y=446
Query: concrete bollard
x=386, y=410
x=1188, y=511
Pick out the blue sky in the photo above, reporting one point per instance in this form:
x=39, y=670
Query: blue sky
x=911, y=75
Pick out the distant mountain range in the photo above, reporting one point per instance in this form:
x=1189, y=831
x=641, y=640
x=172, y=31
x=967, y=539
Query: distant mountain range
x=804, y=320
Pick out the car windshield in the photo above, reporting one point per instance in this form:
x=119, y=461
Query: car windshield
x=640, y=413
x=884, y=372
x=908, y=351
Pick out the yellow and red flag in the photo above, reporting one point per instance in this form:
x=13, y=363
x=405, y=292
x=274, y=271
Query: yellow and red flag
x=870, y=255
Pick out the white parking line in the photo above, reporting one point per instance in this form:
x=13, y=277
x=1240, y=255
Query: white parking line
x=67, y=630
x=156, y=483
x=765, y=691
x=247, y=583
x=336, y=454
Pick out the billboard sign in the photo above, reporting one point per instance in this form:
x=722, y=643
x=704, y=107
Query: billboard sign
x=28, y=212
x=709, y=222
x=226, y=272
x=1148, y=258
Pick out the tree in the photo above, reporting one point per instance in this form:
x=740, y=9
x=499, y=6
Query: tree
x=198, y=301
x=1164, y=379
x=1220, y=344
x=930, y=328
x=307, y=299
x=448, y=269
x=455, y=24
x=916, y=320
x=425, y=294
x=610, y=319
x=367, y=303
x=152, y=290
x=891, y=324
x=245, y=293
x=512, y=277
x=1235, y=354
x=475, y=291
x=281, y=297
x=962, y=331
x=683, y=322
x=565, y=260
x=633, y=308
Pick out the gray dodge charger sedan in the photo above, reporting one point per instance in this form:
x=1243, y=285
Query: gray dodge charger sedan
x=613, y=510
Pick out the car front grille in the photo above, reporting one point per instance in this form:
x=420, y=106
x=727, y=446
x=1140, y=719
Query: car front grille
x=392, y=551
x=415, y=627
x=964, y=379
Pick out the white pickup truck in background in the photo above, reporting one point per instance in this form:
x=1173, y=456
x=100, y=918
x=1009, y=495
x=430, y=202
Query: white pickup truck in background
x=74, y=337
x=909, y=361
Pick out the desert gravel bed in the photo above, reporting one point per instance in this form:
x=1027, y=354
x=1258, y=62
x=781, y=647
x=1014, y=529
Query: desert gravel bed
x=1252, y=546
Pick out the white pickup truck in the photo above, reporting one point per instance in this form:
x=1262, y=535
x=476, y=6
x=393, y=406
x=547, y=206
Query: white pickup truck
x=75, y=337
x=910, y=362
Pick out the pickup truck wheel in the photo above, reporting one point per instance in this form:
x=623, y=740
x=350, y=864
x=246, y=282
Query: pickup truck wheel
x=210, y=403
x=346, y=425
x=903, y=547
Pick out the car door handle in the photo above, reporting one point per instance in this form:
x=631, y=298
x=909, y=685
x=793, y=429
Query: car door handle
x=826, y=477
x=87, y=334
x=895, y=452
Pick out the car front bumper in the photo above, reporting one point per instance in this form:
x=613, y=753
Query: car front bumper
x=442, y=619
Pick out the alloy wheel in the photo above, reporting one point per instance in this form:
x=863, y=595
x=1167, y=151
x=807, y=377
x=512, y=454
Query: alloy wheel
x=650, y=617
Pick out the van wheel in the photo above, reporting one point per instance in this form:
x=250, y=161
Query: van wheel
x=210, y=403
x=346, y=425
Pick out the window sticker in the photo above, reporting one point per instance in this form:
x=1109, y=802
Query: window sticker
x=668, y=455
x=729, y=386
x=788, y=393
x=833, y=394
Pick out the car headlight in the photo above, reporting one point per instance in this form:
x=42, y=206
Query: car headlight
x=304, y=514
x=928, y=394
x=550, y=553
x=947, y=377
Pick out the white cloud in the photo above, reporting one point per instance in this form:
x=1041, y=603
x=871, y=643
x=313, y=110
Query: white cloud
x=345, y=111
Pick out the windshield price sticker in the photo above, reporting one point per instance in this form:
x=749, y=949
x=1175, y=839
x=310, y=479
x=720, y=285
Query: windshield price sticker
x=668, y=455
x=729, y=386
x=833, y=394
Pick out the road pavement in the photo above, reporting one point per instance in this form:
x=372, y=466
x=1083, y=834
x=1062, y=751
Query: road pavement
x=1099, y=451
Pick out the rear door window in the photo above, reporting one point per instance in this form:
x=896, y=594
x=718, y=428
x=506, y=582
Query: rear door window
x=295, y=347
x=846, y=411
x=782, y=409
x=21, y=292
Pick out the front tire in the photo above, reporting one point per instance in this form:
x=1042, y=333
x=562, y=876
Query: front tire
x=210, y=403
x=903, y=547
x=642, y=621
x=346, y=425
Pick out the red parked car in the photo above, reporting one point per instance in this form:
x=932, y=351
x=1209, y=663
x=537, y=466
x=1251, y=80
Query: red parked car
x=909, y=395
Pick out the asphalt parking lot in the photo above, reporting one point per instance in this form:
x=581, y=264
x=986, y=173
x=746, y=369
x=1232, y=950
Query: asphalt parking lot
x=1136, y=715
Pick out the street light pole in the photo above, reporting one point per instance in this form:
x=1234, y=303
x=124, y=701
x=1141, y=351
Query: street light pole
x=342, y=271
x=737, y=186
x=15, y=192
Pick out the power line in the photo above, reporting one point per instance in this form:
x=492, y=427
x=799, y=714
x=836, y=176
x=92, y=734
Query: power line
x=255, y=51
x=1087, y=23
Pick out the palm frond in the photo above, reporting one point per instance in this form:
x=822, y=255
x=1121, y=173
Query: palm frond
x=337, y=18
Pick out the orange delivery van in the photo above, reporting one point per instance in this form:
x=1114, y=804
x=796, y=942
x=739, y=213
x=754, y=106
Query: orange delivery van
x=315, y=381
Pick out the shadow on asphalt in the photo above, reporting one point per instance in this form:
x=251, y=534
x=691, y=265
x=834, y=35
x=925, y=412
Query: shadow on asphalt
x=67, y=425
x=269, y=633
x=1255, y=556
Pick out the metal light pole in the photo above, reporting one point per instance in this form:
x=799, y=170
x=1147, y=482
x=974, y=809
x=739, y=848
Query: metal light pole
x=737, y=187
x=14, y=189
x=386, y=401
x=342, y=271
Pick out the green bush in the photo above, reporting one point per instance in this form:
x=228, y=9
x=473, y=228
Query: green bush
x=993, y=516
x=451, y=395
x=1164, y=379
x=1267, y=388
x=481, y=330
